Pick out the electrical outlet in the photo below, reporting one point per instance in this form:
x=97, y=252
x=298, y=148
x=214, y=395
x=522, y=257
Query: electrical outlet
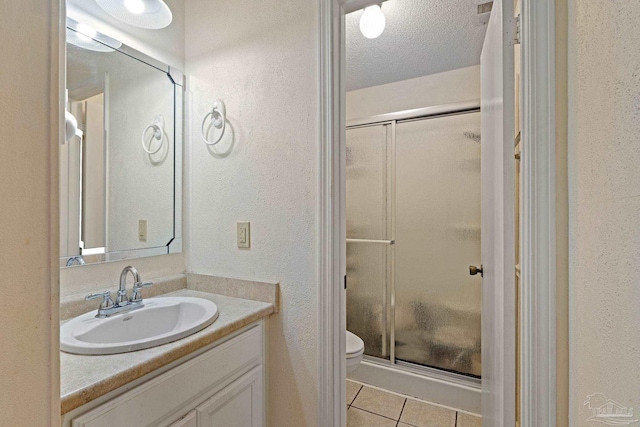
x=244, y=235
x=142, y=230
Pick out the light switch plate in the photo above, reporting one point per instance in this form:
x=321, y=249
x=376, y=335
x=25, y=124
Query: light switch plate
x=142, y=230
x=244, y=235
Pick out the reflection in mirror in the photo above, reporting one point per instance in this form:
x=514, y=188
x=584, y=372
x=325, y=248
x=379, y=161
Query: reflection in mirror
x=118, y=172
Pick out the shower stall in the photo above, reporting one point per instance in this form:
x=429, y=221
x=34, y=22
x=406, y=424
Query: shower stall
x=413, y=229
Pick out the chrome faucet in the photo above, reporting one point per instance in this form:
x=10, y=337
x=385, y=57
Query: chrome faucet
x=123, y=303
x=122, y=298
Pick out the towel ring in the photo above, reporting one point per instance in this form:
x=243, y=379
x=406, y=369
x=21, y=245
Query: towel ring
x=218, y=116
x=158, y=133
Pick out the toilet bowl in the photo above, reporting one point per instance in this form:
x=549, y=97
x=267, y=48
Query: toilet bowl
x=355, y=351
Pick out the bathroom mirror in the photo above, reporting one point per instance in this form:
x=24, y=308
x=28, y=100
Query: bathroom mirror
x=121, y=165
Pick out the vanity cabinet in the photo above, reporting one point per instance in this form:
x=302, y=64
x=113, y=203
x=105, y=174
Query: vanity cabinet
x=240, y=404
x=188, y=420
x=222, y=386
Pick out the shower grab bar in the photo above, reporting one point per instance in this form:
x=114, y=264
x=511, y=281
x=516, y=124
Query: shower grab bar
x=384, y=242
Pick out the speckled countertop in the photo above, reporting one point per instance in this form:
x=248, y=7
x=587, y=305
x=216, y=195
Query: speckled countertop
x=85, y=378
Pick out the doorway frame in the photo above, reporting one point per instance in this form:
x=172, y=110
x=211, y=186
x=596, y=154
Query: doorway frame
x=538, y=243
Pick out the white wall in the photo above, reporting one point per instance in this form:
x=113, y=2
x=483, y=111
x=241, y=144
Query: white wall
x=436, y=89
x=562, y=218
x=261, y=58
x=29, y=74
x=166, y=45
x=604, y=203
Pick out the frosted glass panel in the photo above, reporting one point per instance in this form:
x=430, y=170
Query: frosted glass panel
x=368, y=218
x=367, y=294
x=437, y=315
x=367, y=153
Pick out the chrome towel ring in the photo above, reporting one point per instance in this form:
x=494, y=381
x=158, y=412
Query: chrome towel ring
x=158, y=134
x=218, y=116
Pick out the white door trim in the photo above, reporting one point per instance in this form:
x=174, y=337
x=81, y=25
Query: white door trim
x=538, y=326
x=332, y=226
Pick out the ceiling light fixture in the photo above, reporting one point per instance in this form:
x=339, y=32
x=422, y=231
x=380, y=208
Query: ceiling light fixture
x=372, y=22
x=86, y=37
x=134, y=6
x=149, y=14
x=87, y=31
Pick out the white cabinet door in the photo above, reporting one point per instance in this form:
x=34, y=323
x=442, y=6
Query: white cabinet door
x=188, y=420
x=240, y=404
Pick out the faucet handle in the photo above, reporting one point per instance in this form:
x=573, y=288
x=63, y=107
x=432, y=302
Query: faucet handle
x=106, y=302
x=137, y=296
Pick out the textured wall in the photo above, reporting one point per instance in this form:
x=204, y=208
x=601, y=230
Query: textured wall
x=436, y=89
x=604, y=209
x=29, y=217
x=260, y=57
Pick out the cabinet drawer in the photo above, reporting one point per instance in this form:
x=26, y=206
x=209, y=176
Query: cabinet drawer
x=169, y=395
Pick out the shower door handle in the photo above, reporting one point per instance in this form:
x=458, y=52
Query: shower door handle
x=384, y=242
x=473, y=270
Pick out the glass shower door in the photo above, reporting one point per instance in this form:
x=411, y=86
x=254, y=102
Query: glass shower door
x=437, y=236
x=368, y=233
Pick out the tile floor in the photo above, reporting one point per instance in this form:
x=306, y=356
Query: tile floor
x=372, y=407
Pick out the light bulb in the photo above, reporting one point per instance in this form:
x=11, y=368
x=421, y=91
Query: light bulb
x=372, y=22
x=86, y=32
x=134, y=6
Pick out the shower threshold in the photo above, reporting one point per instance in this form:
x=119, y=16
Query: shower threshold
x=443, y=374
x=423, y=382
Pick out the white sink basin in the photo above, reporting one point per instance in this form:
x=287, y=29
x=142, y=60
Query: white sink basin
x=160, y=321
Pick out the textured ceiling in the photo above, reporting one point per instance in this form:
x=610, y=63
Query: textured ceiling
x=421, y=37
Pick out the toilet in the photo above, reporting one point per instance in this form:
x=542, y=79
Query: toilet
x=355, y=351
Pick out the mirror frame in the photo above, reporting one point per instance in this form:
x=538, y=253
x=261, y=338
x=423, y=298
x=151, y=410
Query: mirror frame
x=174, y=245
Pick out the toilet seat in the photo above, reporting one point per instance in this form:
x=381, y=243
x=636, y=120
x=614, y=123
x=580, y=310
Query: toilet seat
x=355, y=351
x=355, y=346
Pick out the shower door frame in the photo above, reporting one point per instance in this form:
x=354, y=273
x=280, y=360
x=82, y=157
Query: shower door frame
x=538, y=346
x=392, y=119
x=389, y=288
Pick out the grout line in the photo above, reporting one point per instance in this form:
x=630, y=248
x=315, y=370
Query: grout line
x=357, y=393
x=406, y=397
x=456, y=423
x=373, y=413
x=402, y=410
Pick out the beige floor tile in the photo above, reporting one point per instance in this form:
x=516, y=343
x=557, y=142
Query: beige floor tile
x=352, y=390
x=379, y=402
x=358, y=418
x=466, y=420
x=422, y=414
